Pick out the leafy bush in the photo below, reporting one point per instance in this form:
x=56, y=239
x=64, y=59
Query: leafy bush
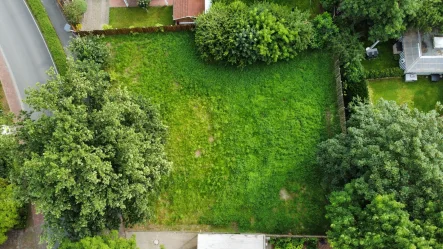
x=75, y=10
x=110, y=241
x=242, y=35
x=384, y=73
x=294, y=243
x=51, y=38
x=9, y=207
x=325, y=31
x=87, y=48
x=144, y=3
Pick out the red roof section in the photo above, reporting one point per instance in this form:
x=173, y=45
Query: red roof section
x=187, y=8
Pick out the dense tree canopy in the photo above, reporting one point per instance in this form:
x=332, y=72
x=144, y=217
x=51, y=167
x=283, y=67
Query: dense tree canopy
x=111, y=241
x=386, y=18
x=241, y=34
x=392, y=155
x=95, y=154
x=430, y=15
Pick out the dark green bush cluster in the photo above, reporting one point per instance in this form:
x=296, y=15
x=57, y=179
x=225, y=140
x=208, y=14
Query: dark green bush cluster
x=241, y=34
x=75, y=10
x=294, y=243
x=384, y=73
x=88, y=48
x=144, y=3
x=48, y=32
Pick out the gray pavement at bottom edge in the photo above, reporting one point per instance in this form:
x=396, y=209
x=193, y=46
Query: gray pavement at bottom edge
x=23, y=46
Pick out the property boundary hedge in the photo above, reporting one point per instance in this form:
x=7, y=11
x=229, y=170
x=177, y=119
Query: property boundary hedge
x=125, y=31
x=384, y=73
x=54, y=45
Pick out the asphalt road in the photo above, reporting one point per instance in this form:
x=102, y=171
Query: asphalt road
x=23, y=46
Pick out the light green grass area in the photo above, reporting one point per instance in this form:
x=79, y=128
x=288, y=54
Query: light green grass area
x=139, y=17
x=422, y=94
x=385, y=57
x=242, y=142
x=54, y=45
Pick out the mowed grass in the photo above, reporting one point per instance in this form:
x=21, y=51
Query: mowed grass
x=385, y=57
x=242, y=142
x=422, y=94
x=139, y=17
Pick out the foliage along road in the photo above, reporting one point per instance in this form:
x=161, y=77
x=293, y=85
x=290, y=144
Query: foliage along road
x=22, y=45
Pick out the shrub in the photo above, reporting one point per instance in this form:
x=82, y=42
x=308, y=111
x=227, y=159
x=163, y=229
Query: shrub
x=144, y=3
x=74, y=11
x=9, y=216
x=324, y=30
x=242, y=35
x=384, y=73
x=87, y=48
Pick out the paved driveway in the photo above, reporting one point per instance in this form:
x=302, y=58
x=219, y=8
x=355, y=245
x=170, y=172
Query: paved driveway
x=96, y=15
x=23, y=46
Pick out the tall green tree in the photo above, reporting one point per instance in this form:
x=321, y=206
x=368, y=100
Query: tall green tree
x=93, y=157
x=429, y=16
x=387, y=19
x=110, y=241
x=388, y=150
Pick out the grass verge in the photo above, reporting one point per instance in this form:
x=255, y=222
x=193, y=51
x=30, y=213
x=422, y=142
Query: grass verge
x=422, y=94
x=243, y=142
x=139, y=17
x=48, y=31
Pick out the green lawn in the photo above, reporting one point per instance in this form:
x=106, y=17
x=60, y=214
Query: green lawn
x=138, y=17
x=422, y=94
x=242, y=142
x=385, y=57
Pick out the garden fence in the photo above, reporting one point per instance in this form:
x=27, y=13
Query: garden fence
x=125, y=31
x=340, y=100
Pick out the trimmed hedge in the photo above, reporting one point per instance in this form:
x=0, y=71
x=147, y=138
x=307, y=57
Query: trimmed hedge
x=48, y=31
x=384, y=73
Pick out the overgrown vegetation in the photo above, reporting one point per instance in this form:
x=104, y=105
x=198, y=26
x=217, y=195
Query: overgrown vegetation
x=312, y=6
x=386, y=177
x=9, y=206
x=9, y=209
x=74, y=11
x=139, y=17
x=242, y=141
x=242, y=35
x=294, y=243
x=110, y=241
x=48, y=32
x=422, y=94
x=94, y=156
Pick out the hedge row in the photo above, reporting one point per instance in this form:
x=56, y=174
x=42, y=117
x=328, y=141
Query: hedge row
x=384, y=73
x=48, y=31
